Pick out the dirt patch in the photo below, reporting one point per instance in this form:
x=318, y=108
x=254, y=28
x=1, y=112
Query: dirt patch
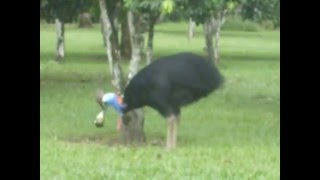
x=93, y=139
x=107, y=140
x=264, y=98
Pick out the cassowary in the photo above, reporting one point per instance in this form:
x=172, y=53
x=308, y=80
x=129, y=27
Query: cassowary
x=168, y=84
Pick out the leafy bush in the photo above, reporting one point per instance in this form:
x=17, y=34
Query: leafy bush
x=237, y=24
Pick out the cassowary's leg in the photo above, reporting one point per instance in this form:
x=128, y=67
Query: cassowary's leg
x=172, y=131
x=175, y=131
x=169, y=132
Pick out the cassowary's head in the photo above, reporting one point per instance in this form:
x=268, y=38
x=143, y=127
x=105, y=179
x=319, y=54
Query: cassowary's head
x=99, y=96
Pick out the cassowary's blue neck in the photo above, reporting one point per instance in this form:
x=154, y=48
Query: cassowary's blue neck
x=114, y=100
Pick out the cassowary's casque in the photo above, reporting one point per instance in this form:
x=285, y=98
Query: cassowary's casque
x=170, y=83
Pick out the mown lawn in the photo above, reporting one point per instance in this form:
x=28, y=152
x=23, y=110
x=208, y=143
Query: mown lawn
x=232, y=134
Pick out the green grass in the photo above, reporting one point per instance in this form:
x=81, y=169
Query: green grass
x=232, y=134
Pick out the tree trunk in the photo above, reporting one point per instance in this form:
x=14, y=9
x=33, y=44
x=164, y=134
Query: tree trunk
x=152, y=22
x=137, y=42
x=191, y=29
x=133, y=121
x=115, y=44
x=150, y=45
x=208, y=33
x=107, y=30
x=132, y=126
x=212, y=26
x=102, y=32
x=132, y=129
x=160, y=18
x=217, y=24
x=217, y=46
x=85, y=20
x=115, y=29
x=216, y=30
x=60, y=40
x=118, y=79
x=125, y=38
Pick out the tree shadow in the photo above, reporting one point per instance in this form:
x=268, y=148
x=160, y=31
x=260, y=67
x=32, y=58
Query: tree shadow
x=76, y=56
x=256, y=57
x=174, y=32
x=241, y=34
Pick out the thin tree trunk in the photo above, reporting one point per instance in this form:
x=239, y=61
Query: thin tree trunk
x=60, y=40
x=132, y=126
x=102, y=32
x=216, y=30
x=217, y=46
x=208, y=33
x=133, y=121
x=160, y=18
x=107, y=30
x=152, y=22
x=85, y=20
x=150, y=44
x=115, y=29
x=125, y=38
x=132, y=129
x=118, y=80
x=218, y=22
x=115, y=45
x=136, y=40
x=191, y=29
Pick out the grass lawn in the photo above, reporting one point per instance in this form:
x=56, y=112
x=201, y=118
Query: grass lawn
x=232, y=134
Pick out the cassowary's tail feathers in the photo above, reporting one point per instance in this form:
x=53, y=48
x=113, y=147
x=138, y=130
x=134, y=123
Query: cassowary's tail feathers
x=191, y=91
x=217, y=79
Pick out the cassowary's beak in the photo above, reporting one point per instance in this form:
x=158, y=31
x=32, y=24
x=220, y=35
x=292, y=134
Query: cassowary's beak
x=99, y=95
x=101, y=105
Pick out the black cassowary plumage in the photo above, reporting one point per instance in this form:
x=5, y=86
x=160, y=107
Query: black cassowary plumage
x=169, y=83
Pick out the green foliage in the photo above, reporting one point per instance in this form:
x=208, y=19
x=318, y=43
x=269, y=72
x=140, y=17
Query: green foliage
x=231, y=5
x=237, y=24
x=167, y=6
x=65, y=10
x=261, y=10
x=150, y=7
x=94, y=11
x=132, y=4
x=143, y=6
x=268, y=25
x=201, y=10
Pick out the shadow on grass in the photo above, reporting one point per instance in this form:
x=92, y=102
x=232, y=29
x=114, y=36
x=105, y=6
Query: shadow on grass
x=174, y=32
x=227, y=56
x=243, y=57
x=89, y=58
x=242, y=34
x=76, y=57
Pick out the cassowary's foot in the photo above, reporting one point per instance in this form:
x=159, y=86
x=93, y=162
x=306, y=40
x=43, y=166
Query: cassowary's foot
x=172, y=132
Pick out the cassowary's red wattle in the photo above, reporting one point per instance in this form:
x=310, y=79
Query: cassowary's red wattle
x=169, y=83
